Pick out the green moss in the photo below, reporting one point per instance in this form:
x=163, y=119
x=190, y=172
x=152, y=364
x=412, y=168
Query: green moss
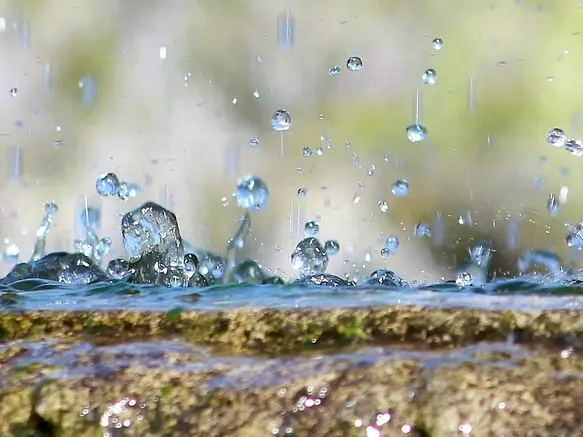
x=172, y=317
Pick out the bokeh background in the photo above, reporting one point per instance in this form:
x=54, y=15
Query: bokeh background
x=168, y=94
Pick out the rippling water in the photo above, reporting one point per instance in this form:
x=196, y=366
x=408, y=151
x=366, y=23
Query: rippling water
x=529, y=293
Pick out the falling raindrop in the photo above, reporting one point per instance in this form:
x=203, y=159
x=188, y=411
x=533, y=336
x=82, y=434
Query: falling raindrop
x=354, y=63
x=252, y=193
x=392, y=244
x=334, y=70
x=422, y=230
x=331, y=247
x=416, y=132
x=253, y=142
x=429, y=77
x=307, y=152
x=311, y=228
x=464, y=279
x=309, y=257
x=553, y=205
x=13, y=92
x=400, y=188
x=556, y=137
x=575, y=147
x=281, y=120
x=128, y=190
x=285, y=31
x=437, y=43
x=163, y=53
x=107, y=185
x=383, y=206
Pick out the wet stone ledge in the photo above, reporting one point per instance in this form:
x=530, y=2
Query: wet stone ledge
x=340, y=372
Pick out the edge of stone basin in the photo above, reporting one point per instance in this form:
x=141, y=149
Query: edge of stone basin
x=278, y=330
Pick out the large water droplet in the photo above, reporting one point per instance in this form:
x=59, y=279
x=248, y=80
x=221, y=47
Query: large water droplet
x=464, y=279
x=311, y=228
x=416, y=132
x=309, y=257
x=429, y=77
x=400, y=188
x=252, y=193
x=437, y=43
x=556, y=137
x=107, y=185
x=331, y=247
x=354, y=63
x=281, y=120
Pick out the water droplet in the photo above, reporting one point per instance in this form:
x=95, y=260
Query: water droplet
x=553, y=205
x=437, y=44
x=331, y=247
x=256, y=93
x=400, y=188
x=309, y=257
x=556, y=137
x=383, y=206
x=234, y=101
x=13, y=92
x=334, y=70
x=51, y=208
x=252, y=193
x=354, y=63
x=281, y=120
x=422, y=230
x=302, y=192
x=307, y=152
x=319, y=151
x=429, y=77
x=371, y=170
x=416, y=132
x=480, y=254
x=11, y=253
x=311, y=228
x=575, y=147
x=253, y=142
x=88, y=87
x=107, y=185
x=392, y=244
x=163, y=53
x=128, y=190
x=464, y=279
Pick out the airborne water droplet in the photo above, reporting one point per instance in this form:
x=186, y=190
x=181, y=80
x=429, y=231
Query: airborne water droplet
x=13, y=92
x=252, y=193
x=383, y=206
x=575, y=147
x=429, y=77
x=334, y=70
x=556, y=137
x=331, y=247
x=354, y=63
x=128, y=190
x=311, y=228
x=437, y=43
x=107, y=185
x=416, y=132
x=253, y=142
x=552, y=205
x=400, y=188
x=309, y=257
x=392, y=244
x=281, y=120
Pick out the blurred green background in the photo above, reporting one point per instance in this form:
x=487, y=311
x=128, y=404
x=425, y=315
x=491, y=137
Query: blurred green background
x=94, y=95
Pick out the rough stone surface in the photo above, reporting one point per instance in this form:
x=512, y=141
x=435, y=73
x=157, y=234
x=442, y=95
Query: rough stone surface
x=304, y=373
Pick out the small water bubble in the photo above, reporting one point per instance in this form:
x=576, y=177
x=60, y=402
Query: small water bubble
x=553, y=205
x=556, y=137
x=416, y=132
x=309, y=257
x=575, y=147
x=383, y=206
x=334, y=70
x=252, y=193
x=302, y=192
x=307, y=152
x=400, y=188
x=422, y=230
x=107, y=185
x=253, y=142
x=128, y=190
x=331, y=247
x=354, y=63
x=281, y=120
x=464, y=279
x=311, y=228
x=429, y=77
x=13, y=92
x=437, y=43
